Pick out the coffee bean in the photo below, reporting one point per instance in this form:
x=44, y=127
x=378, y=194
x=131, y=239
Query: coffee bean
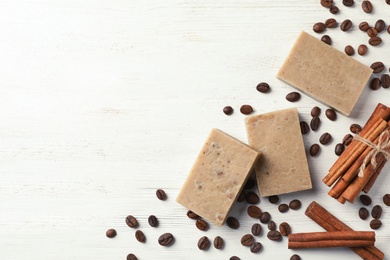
x=355, y=128
x=305, y=129
x=271, y=225
x=233, y=223
x=388, y=2
x=339, y=149
x=263, y=87
x=334, y=10
x=375, y=41
x=192, y=215
x=161, y=195
x=111, y=233
x=293, y=96
x=265, y=217
x=131, y=221
x=315, y=111
x=250, y=184
x=166, y=239
x=241, y=197
x=234, y=258
x=202, y=225
x=228, y=110
x=315, y=123
x=372, y=32
x=131, y=257
x=295, y=204
x=218, y=242
x=247, y=240
x=348, y=3
x=203, y=243
x=326, y=39
x=349, y=50
x=325, y=138
x=365, y=199
x=362, y=49
x=295, y=257
x=326, y=3
x=346, y=25
x=283, y=208
x=347, y=139
x=385, y=80
x=363, y=213
x=274, y=199
x=380, y=25
x=386, y=199
x=284, y=229
x=153, y=221
x=252, y=198
x=274, y=235
x=377, y=67
x=246, y=109
x=376, y=212
x=139, y=235
x=319, y=27
x=364, y=26
x=375, y=224
x=314, y=149
x=331, y=23
x=331, y=114
x=367, y=6
x=256, y=229
x=388, y=29
x=254, y=211
x=375, y=84
x=256, y=247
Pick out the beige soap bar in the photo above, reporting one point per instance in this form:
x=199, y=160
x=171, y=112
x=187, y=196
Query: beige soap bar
x=324, y=73
x=282, y=167
x=217, y=177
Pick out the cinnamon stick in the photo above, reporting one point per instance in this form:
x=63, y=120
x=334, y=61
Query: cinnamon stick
x=373, y=178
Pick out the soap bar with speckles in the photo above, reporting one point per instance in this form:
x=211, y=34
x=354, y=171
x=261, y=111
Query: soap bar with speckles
x=217, y=177
x=325, y=73
x=282, y=167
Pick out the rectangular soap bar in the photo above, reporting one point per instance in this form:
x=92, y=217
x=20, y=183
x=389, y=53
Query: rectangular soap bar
x=282, y=167
x=217, y=177
x=324, y=73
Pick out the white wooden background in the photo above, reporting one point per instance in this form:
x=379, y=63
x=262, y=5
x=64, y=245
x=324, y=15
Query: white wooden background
x=102, y=102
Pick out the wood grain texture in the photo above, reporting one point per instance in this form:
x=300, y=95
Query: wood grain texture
x=103, y=102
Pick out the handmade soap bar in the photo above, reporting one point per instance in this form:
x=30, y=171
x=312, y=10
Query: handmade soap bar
x=217, y=177
x=282, y=167
x=324, y=73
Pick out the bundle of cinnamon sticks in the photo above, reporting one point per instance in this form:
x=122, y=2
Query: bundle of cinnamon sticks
x=353, y=172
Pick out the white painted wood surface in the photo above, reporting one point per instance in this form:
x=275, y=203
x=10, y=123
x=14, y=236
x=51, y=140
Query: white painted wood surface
x=103, y=102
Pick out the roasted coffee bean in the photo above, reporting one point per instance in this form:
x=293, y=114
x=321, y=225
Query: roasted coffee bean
x=314, y=149
x=271, y=225
x=375, y=41
x=347, y=139
x=139, y=235
x=362, y=49
x=388, y=29
x=380, y=25
x=375, y=84
x=131, y=257
x=319, y=27
x=263, y=87
x=153, y=221
x=355, y=128
x=218, y=242
x=283, y=208
x=326, y=3
x=331, y=114
x=256, y=247
x=305, y=129
x=325, y=138
x=385, y=80
x=265, y=217
x=254, y=211
x=241, y=197
x=386, y=199
x=367, y=6
x=372, y=32
x=388, y=2
x=346, y=25
x=348, y=3
x=293, y=96
x=363, y=213
x=228, y=110
x=376, y=212
x=250, y=184
x=201, y=224
x=315, y=123
x=234, y=258
x=161, y=195
x=339, y=149
x=274, y=235
x=204, y=243
x=363, y=26
x=274, y=199
x=326, y=39
x=295, y=257
x=256, y=229
x=284, y=229
x=315, y=111
x=377, y=67
x=331, y=23
x=365, y=199
x=334, y=9
x=111, y=233
x=233, y=223
x=295, y=204
x=131, y=221
x=252, y=198
x=246, y=109
x=192, y=215
x=375, y=224
x=349, y=50
x=247, y=240
x=166, y=239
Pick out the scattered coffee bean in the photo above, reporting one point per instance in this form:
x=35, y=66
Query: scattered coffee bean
x=283, y=208
x=295, y=204
x=315, y=111
x=347, y=139
x=339, y=149
x=377, y=67
x=314, y=149
x=295, y=257
x=201, y=224
x=355, y=128
x=376, y=212
x=263, y=87
x=247, y=240
x=349, y=50
x=388, y=2
x=111, y=233
x=293, y=96
x=367, y=6
x=325, y=138
x=241, y=197
x=192, y=215
x=153, y=221
x=265, y=217
x=319, y=27
x=246, y=109
x=388, y=29
x=271, y=225
x=256, y=247
x=326, y=39
x=131, y=221
x=346, y=25
x=375, y=41
x=315, y=123
x=166, y=239
x=256, y=229
x=234, y=258
x=203, y=243
x=375, y=224
x=252, y=198
x=363, y=26
x=375, y=84
x=372, y=32
x=228, y=110
x=380, y=25
x=274, y=235
x=131, y=257
x=331, y=114
x=365, y=199
x=274, y=199
x=254, y=211
x=362, y=49
x=233, y=223
x=348, y=3
x=218, y=242
x=305, y=129
x=334, y=9
x=331, y=23
x=326, y=3
x=386, y=199
x=139, y=235
x=385, y=80
x=161, y=195
x=250, y=184
x=284, y=229
x=363, y=213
